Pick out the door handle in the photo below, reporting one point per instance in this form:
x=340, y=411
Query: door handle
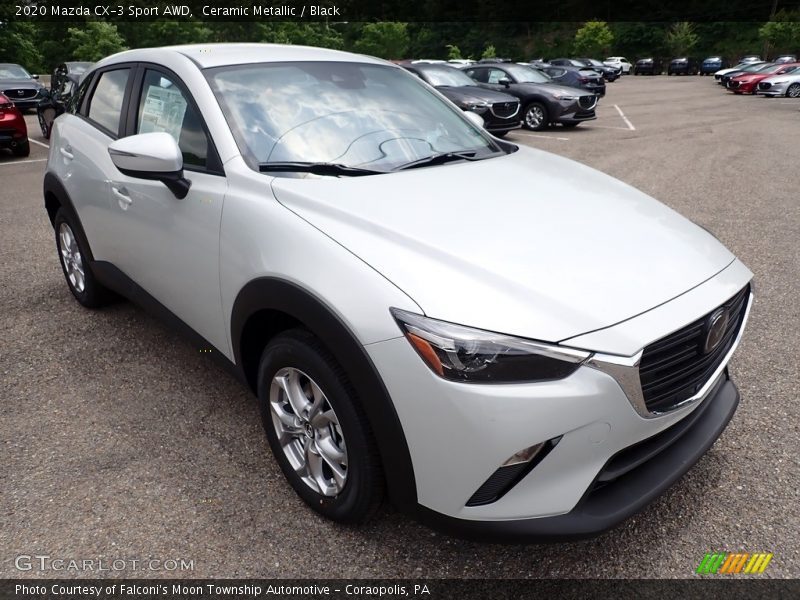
x=122, y=195
x=66, y=152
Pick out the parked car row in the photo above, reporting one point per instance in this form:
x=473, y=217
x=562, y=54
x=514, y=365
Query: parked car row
x=508, y=95
x=687, y=65
x=758, y=77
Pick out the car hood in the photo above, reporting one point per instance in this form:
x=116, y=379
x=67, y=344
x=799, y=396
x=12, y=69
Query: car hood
x=529, y=244
x=20, y=84
x=473, y=93
x=553, y=89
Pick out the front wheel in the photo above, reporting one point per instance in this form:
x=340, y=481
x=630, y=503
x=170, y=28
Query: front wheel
x=535, y=116
x=793, y=91
x=317, y=429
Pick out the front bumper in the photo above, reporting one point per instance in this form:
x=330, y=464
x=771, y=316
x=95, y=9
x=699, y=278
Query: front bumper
x=657, y=463
x=775, y=89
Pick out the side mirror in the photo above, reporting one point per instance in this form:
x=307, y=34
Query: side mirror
x=474, y=118
x=505, y=82
x=35, y=76
x=153, y=156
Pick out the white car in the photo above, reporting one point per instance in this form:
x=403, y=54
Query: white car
x=508, y=344
x=619, y=62
x=786, y=84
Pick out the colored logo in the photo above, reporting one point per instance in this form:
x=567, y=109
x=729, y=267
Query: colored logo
x=733, y=562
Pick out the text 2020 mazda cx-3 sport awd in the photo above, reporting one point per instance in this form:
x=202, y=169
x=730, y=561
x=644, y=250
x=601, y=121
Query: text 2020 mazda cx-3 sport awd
x=526, y=363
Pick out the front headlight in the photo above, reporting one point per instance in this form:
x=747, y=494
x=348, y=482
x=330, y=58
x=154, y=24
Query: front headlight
x=779, y=82
x=478, y=107
x=469, y=355
x=567, y=98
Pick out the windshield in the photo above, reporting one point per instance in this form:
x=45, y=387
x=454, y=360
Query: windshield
x=356, y=115
x=13, y=72
x=593, y=62
x=526, y=74
x=451, y=77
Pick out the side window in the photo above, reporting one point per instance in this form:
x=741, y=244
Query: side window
x=495, y=75
x=163, y=107
x=479, y=75
x=74, y=101
x=105, y=106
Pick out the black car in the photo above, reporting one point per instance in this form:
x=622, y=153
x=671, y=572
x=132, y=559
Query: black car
x=543, y=101
x=647, y=66
x=582, y=63
x=682, y=65
x=500, y=111
x=63, y=84
x=610, y=74
x=712, y=64
x=578, y=77
x=22, y=88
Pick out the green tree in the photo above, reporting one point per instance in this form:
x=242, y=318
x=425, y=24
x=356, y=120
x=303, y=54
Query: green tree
x=783, y=32
x=385, y=39
x=593, y=39
x=18, y=44
x=681, y=38
x=96, y=40
x=489, y=52
x=453, y=52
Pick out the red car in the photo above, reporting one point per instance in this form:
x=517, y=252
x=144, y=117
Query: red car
x=13, y=131
x=747, y=83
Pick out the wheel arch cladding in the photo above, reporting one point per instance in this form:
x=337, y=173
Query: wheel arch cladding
x=267, y=306
x=55, y=198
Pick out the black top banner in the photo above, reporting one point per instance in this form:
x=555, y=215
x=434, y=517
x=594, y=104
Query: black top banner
x=402, y=10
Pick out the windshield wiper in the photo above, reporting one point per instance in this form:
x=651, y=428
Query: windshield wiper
x=317, y=168
x=439, y=159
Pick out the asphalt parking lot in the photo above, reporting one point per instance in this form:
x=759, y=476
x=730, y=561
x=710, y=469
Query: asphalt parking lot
x=122, y=441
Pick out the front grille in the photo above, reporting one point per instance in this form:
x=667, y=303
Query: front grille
x=505, y=110
x=587, y=102
x=733, y=84
x=20, y=94
x=764, y=85
x=674, y=368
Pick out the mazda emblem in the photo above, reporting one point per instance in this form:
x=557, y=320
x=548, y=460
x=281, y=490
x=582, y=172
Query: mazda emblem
x=715, y=328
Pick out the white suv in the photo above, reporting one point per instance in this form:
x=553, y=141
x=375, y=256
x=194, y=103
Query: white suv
x=619, y=62
x=507, y=343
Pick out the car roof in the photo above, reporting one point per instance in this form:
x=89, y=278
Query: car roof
x=218, y=55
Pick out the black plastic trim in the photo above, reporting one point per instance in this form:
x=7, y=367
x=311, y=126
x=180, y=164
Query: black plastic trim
x=52, y=185
x=606, y=507
x=283, y=296
x=114, y=279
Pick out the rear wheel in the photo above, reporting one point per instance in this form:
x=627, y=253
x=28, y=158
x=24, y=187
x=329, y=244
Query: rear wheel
x=793, y=91
x=72, y=252
x=317, y=429
x=535, y=116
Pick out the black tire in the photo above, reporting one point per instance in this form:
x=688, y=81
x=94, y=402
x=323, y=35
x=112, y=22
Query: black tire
x=527, y=123
x=22, y=149
x=91, y=294
x=363, y=488
x=569, y=125
x=499, y=134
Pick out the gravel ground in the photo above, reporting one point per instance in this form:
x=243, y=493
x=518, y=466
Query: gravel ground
x=121, y=441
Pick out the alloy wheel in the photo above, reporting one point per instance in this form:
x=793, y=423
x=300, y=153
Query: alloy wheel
x=71, y=258
x=308, y=431
x=793, y=91
x=534, y=117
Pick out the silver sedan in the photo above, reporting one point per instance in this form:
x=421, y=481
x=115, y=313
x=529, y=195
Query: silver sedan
x=786, y=84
